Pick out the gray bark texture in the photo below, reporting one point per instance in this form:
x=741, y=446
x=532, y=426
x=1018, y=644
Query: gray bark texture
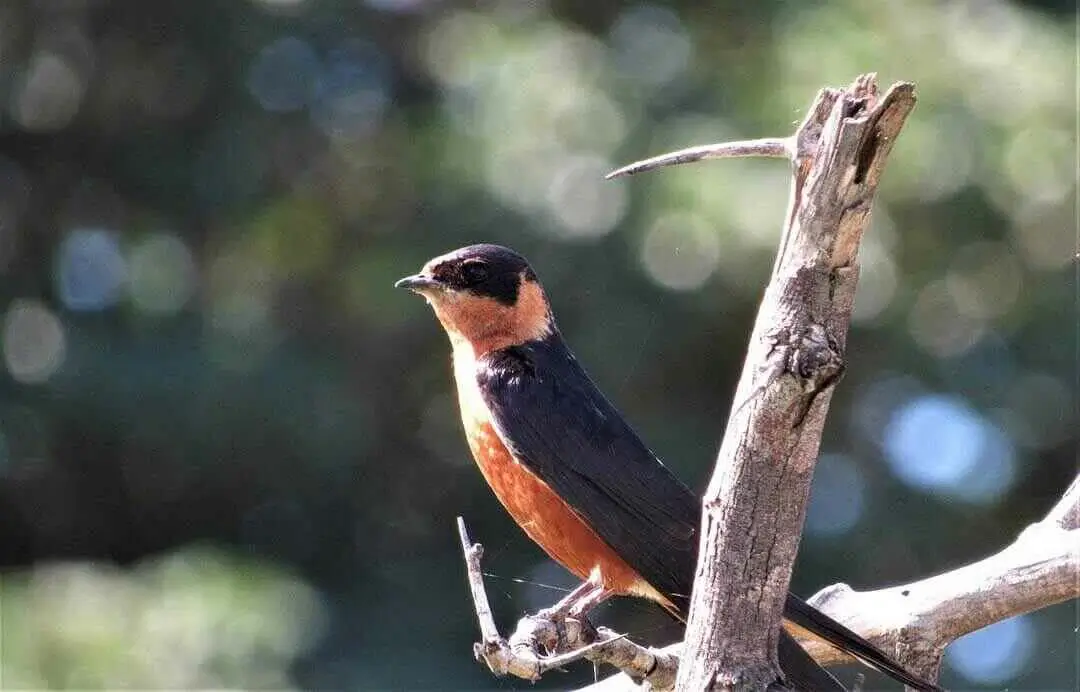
x=755, y=503
x=756, y=500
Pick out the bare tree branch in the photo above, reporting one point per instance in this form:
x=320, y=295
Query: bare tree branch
x=917, y=621
x=769, y=147
x=755, y=503
x=553, y=638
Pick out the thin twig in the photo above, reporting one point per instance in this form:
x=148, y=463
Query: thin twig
x=562, y=638
x=473, y=553
x=771, y=147
x=1040, y=568
x=921, y=618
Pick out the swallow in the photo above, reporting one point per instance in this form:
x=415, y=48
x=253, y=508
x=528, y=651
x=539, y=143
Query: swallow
x=568, y=467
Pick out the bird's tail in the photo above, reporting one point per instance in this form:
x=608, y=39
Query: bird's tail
x=799, y=667
x=801, y=670
x=817, y=623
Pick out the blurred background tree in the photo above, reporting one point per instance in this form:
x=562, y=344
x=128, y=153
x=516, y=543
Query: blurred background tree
x=229, y=453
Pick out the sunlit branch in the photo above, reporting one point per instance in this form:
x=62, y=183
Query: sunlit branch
x=771, y=147
x=552, y=639
x=1039, y=569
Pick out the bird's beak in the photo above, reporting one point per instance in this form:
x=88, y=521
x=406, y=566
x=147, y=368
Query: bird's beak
x=418, y=283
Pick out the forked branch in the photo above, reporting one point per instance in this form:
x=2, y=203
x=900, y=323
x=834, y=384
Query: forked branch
x=755, y=503
x=550, y=640
x=916, y=621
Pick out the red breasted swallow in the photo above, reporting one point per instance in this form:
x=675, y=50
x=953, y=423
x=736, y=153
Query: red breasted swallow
x=566, y=465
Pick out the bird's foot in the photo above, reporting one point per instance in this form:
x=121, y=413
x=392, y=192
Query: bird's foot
x=589, y=594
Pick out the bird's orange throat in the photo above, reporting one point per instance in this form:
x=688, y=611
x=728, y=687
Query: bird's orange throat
x=481, y=325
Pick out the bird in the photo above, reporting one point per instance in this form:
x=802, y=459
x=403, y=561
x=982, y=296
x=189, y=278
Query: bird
x=569, y=468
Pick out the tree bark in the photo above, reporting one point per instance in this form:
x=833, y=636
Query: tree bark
x=755, y=504
x=918, y=620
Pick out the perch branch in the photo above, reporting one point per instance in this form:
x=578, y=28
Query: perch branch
x=768, y=147
x=553, y=639
x=755, y=503
x=916, y=621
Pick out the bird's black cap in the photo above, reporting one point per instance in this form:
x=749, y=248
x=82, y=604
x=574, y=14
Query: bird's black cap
x=486, y=270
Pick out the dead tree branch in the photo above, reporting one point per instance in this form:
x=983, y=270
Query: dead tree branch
x=917, y=621
x=552, y=639
x=755, y=503
x=770, y=147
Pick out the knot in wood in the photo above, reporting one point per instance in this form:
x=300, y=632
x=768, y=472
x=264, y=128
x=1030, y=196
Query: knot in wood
x=534, y=633
x=815, y=358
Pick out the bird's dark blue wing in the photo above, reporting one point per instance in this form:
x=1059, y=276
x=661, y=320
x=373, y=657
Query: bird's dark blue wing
x=555, y=421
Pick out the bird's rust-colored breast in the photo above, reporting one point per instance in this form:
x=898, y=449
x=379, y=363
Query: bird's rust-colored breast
x=544, y=516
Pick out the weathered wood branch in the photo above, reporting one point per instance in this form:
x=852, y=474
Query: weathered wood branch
x=755, y=504
x=917, y=621
x=769, y=147
x=552, y=639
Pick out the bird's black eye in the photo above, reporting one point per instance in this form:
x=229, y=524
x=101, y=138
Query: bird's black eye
x=474, y=272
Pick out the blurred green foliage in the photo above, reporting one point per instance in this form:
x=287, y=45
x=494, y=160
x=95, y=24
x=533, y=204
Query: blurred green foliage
x=196, y=619
x=203, y=207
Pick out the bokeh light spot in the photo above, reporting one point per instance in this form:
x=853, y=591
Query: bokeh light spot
x=457, y=48
x=651, y=45
x=994, y=654
x=90, y=270
x=521, y=173
x=680, y=251
x=583, y=203
x=48, y=95
x=940, y=443
x=1039, y=163
x=200, y=619
x=1041, y=233
x=282, y=77
x=938, y=325
x=240, y=315
x=352, y=91
x=941, y=158
x=162, y=274
x=838, y=496
x=984, y=280
x=876, y=402
x=34, y=343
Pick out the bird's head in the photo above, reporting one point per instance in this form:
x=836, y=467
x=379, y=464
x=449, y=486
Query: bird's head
x=487, y=297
